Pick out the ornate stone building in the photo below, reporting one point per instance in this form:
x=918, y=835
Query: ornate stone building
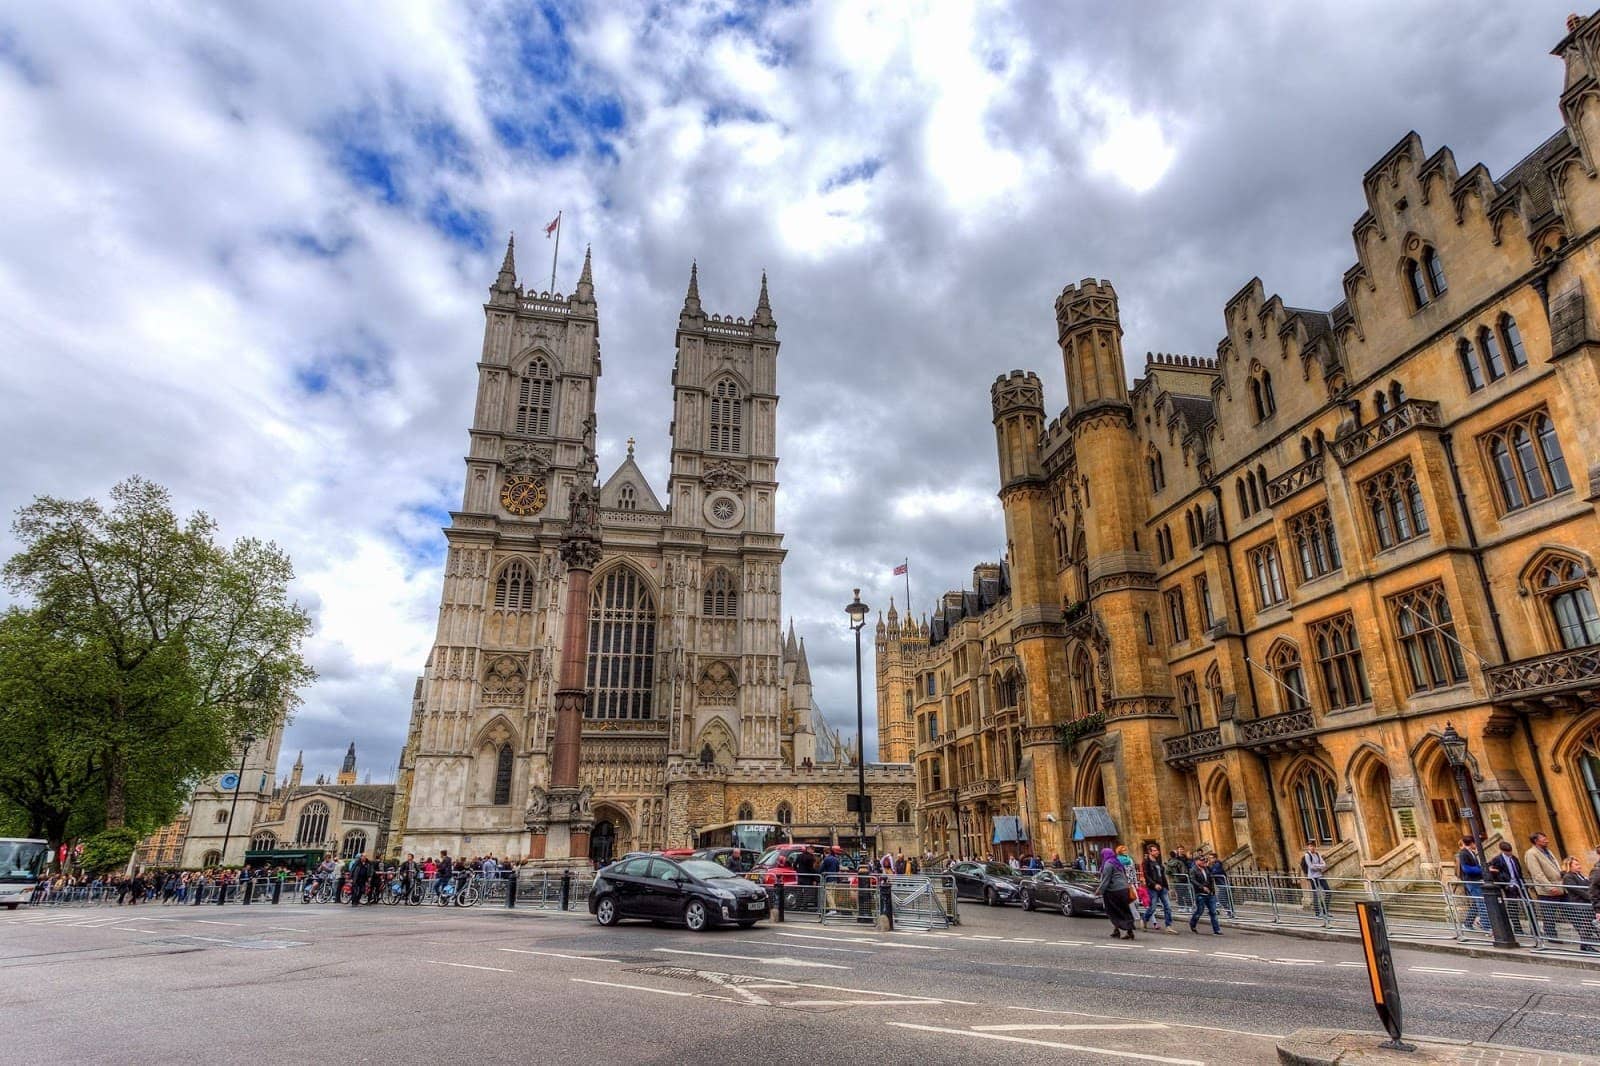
x=1247, y=594
x=699, y=709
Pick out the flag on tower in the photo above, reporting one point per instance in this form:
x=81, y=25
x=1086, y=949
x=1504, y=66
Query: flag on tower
x=551, y=228
x=902, y=568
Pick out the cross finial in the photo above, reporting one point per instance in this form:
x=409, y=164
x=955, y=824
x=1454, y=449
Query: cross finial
x=630, y=447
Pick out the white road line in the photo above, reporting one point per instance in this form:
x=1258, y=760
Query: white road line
x=864, y=940
x=1594, y=984
x=1070, y=943
x=1352, y=965
x=1517, y=976
x=800, y=947
x=558, y=955
x=1233, y=955
x=1294, y=962
x=892, y=995
x=1047, y=1043
x=205, y=921
x=860, y=1002
x=779, y=961
x=1176, y=951
x=975, y=936
x=1435, y=969
x=212, y=939
x=1024, y=940
x=468, y=966
x=1062, y=1028
x=647, y=988
x=1170, y=1025
x=1119, y=947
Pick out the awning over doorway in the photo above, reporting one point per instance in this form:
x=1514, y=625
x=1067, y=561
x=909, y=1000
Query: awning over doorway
x=1008, y=829
x=1092, y=823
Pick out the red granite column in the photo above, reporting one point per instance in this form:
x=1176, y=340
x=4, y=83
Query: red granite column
x=580, y=550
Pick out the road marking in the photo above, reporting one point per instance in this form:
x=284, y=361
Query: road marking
x=975, y=936
x=558, y=955
x=800, y=947
x=1435, y=969
x=1119, y=947
x=469, y=966
x=1517, y=976
x=893, y=995
x=1595, y=984
x=1047, y=1043
x=1171, y=1025
x=1024, y=940
x=1233, y=955
x=779, y=961
x=1062, y=1028
x=1177, y=951
x=1294, y=962
x=1352, y=965
x=861, y=1002
x=212, y=939
x=1070, y=943
x=206, y=921
x=863, y=940
x=647, y=988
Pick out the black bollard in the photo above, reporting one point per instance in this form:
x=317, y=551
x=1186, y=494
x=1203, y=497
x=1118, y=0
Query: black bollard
x=1494, y=904
x=277, y=889
x=511, y=890
x=245, y=889
x=888, y=903
x=199, y=890
x=566, y=889
x=222, y=891
x=781, y=895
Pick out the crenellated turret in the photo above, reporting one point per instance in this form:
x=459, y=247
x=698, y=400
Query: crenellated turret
x=1090, y=334
x=1017, y=401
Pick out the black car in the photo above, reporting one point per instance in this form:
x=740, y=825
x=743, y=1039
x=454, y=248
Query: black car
x=1069, y=891
x=696, y=892
x=992, y=882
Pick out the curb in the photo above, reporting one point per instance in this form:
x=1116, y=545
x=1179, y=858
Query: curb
x=1438, y=947
x=1333, y=1047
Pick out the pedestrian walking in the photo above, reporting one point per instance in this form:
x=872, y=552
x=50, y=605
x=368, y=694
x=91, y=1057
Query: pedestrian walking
x=1469, y=867
x=360, y=874
x=1158, y=886
x=1117, y=893
x=1506, y=872
x=1579, y=904
x=1316, y=867
x=1543, y=871
x=1205, y=895
x=1219, y=875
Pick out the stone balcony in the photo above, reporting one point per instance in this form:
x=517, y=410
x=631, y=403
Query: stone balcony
x=938, y=796
x=1295, y=479
x=1189, y=748
x=974, y=789
x=1407, y=416
x=1293, y=731
x=1570, y=674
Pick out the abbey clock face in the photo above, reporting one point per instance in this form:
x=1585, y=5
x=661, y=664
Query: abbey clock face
x=524, y=494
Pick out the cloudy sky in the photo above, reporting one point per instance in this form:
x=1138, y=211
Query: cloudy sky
x=244, y=247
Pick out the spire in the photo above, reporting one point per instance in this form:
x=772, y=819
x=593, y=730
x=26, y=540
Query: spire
x=802, y=671
x=300, y=760
x=790, y=649
x=763, y=315
x=893, y=614
x=507, y=280
x=691, y=299
x=350, y=759
x=586, y=280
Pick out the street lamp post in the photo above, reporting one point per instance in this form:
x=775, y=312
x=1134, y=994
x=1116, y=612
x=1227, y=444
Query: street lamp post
x=238, y=782
x=858, y=620
x=1494, y=904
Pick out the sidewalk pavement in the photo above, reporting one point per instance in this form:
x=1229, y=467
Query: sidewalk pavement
x=1440, y=944
x=1333, y=1047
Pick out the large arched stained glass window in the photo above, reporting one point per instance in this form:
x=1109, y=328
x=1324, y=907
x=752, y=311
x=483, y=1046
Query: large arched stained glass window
x=1314, y=794
x=502, y=775
x=355, y=842
x=622, y=647
x=313, y=828
x=536, y=399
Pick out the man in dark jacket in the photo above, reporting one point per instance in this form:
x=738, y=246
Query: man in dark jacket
x=1157, y=885
x=360, y=874
x=1470, y=869
x=1205, y=894
x=1505, y=869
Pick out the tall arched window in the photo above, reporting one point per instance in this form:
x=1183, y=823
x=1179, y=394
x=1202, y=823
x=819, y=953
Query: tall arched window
x=1255, y=495
x=1284, y=662
x=1244, y=500
x=622, y=647
x=355, y=842
x=1415, y=285
x=721, y=599
x=1261, y=395
x=1314, y=795
x=1512, y=337
x=746, y=813
x=1435, y=268
x=1564, y=587
x=1189, y=527
x=1083, y=683
x=513, y=589
x=1493, y=360
x=535, y=399
x=1469, y=365
x=1189, y=703
x=627, y=498
x=1214, y=691
x=727, y=416
x=1526, y=459
x=785, y=814
x=502, y=775
x=1080, y=557
x=902, y=812
x=263, y=841
x=313, y=827
x=1589, y=770
x=1158, y=472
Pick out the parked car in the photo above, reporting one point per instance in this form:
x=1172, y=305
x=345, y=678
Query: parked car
x=1071, y=892
x=992, y=882
x=697, y=893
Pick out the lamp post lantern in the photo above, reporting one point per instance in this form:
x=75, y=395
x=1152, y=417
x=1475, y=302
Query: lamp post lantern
x=238, y=783
x=857, y=612
x=1494, y=904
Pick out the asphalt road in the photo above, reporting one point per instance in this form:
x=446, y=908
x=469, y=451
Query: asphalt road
x=297, y=983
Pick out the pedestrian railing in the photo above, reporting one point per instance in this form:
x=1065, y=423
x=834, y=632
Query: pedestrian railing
x=923, y=901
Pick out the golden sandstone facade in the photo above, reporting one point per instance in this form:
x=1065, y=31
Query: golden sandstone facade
x=1243, y=598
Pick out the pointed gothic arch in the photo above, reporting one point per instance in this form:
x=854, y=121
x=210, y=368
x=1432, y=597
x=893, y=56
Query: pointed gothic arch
x=721, y=596
x=721, y=740
x=493, y=767
x=725, y=425
x=1283, y=660
x=1560, y=585
x=1218, y=795
x=535, y=398
x=622, y=644
x=513, y=585
x=1309, y=784
x=1371, y=784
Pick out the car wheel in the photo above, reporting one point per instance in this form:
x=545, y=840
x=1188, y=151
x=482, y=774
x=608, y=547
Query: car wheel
x=1068, y=908
x=696, y=917
x=1027, y=901
x=605, y=911
x=990, y=899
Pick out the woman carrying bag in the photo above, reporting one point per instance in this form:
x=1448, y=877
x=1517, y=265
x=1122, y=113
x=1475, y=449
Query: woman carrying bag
x=1117, y=892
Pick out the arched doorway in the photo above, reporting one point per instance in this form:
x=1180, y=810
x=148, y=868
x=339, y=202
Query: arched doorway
x=1220, y=800
x=611, y=836
x=1441, y=798
x=1369, y=777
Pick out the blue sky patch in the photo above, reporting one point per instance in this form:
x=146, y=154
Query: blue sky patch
x=463, y=225
x=862, y=171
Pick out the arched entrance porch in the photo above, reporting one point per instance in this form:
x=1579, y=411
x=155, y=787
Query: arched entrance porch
x=612, y=834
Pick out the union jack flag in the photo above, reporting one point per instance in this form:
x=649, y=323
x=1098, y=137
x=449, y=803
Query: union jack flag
x=900, y=569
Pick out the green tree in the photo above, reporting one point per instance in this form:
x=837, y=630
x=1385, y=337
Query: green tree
x=172, y=644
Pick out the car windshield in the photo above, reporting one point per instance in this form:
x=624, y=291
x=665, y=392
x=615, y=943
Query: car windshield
x=706, y=870
x=995, y=869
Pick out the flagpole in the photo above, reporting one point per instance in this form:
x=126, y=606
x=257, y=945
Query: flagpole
x=556, y=254
x=908, y=586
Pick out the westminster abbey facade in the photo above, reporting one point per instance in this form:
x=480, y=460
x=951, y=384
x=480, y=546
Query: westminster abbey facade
x=1243, y=599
